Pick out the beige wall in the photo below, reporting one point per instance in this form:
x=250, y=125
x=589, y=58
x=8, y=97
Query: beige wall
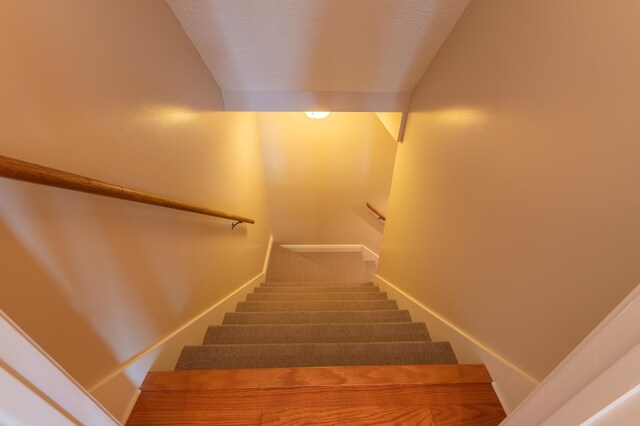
x=321, y=173
x=515, y=205
x=115, y=90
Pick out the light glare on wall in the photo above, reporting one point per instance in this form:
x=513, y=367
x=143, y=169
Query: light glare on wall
x=317, y=114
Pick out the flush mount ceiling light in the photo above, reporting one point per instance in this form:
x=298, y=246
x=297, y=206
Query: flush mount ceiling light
x=317, y=114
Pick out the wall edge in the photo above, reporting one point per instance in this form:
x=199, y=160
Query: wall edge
x=514, y=383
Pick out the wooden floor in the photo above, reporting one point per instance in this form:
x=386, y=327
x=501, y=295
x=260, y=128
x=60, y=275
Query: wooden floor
x=374, y=395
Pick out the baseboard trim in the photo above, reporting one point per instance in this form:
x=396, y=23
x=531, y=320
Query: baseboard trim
x=144, y=359
x=171, y=335
x=54, y=391
x=369, y=255
x=514, y=384
x=267, y=256
x=501, y=398
x=594, y=378
x=129, y=408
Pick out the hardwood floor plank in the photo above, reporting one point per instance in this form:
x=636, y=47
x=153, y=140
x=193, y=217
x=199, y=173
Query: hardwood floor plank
x=195, y=418
x=326, y=396
x=312, y=376
x=468, y=415
x=367, y=415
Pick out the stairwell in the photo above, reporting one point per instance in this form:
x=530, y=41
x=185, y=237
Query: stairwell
x=317, y=332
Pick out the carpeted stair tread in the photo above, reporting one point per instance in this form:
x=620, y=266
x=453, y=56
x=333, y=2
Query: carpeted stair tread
x=315, y=284
x=316, y=333
x=265, y=297
x=318, y=289
x=313, y=305
x=337, y=317
x=314, y=354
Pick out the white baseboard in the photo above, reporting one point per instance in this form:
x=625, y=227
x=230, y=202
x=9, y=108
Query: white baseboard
x=512, y=384
x=193, y=332
x=118, y=395
x=597, y=383
x=129, y=408
x=118, y=391
x=267, y=256
x=501, y=397
x=368, y=255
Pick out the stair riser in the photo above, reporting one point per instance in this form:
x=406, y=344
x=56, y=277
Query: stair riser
x=306, y=355
x=316, y=333
x=351, y=289
x=313, y=284
x=260, y=297
x=338, y=305
x=315, y=317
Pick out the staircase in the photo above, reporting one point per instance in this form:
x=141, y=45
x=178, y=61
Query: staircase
x=317, y=333
x=310, y=314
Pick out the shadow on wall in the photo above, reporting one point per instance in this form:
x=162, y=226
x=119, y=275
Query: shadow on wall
x=106, y=288
x=24, y=296
x=116, y=91
x=368, y=217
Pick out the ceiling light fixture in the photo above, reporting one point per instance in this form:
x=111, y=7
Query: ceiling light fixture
x=317, y=114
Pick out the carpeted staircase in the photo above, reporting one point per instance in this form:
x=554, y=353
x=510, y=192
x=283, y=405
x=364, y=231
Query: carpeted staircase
x=315, y=309
x=329, y=332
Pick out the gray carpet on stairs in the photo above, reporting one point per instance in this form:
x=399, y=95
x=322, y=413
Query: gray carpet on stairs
x=315, y=309
x=317, y=333
x=317, y=289
x=313, y=284
x=315, y=305
x=314, y=355
x=324, y=296
x=315, y=317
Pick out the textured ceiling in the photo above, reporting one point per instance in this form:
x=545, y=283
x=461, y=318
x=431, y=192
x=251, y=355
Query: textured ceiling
x=366, y=46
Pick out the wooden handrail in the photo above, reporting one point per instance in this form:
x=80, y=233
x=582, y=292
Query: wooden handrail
x=21, y=170
x=381, y=215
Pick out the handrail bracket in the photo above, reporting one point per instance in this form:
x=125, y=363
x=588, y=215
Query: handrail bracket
x=377, y=212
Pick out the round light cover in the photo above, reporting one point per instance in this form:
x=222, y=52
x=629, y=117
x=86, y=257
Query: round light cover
x=317, y=114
